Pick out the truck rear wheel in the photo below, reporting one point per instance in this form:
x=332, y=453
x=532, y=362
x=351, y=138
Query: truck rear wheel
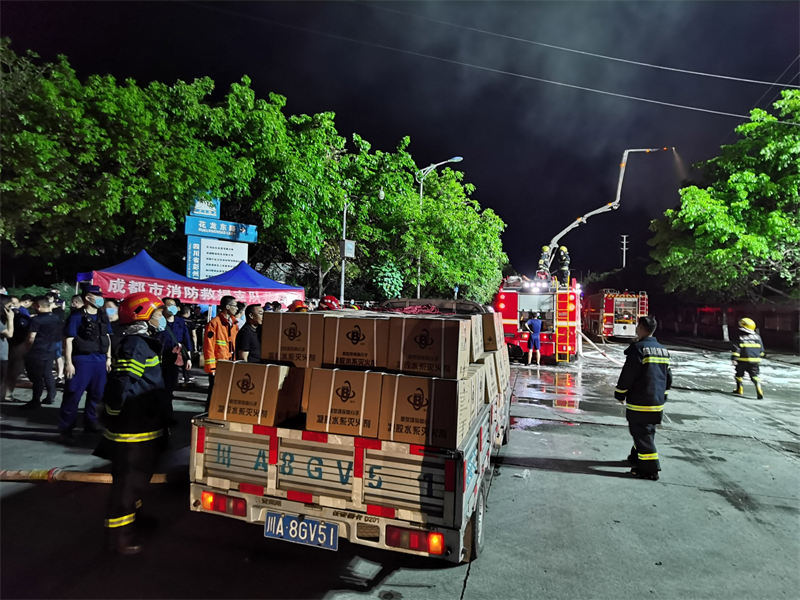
x=473, y=536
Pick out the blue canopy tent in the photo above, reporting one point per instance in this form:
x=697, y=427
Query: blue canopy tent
x=143, y=273
x=244, y=276
x=141, y=265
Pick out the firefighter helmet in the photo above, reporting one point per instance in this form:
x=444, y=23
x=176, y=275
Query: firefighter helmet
x=562, y=248
x=138, y=307
x=747, y=324
x=545, y=248
x=329, y=303
x=298, y=306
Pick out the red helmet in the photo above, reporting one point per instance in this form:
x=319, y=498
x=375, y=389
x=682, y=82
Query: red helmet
x=138, y=307
x=329, y=303
x=298, y=306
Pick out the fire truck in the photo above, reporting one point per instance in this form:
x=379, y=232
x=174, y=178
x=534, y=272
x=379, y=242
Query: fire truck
x=559, y=307
x=611, y=313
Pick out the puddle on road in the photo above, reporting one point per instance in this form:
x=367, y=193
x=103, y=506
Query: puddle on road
x=526, y=424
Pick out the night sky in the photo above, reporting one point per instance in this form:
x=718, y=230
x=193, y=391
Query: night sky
x=540, y=154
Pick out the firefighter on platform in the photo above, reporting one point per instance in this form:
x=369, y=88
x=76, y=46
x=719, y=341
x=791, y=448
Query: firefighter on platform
x=563, y=266
x=746, y=356
x=643, y=385
x=219, y=339
x=137, y=413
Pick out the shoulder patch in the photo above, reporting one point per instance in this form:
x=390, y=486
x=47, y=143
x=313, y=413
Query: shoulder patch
x=210, y=334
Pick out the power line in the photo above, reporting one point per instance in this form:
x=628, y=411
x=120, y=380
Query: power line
x=335, y=36
x=583, y=52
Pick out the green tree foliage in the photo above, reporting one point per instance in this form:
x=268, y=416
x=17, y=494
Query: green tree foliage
x=108, y=167
x=739, y=237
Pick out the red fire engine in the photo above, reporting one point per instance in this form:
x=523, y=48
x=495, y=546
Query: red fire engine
x=559, y=307
x=611, y=313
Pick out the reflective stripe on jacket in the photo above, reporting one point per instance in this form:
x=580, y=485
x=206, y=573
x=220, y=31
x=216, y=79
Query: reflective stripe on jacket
x=137, y=407
x=749, y=349
x=644, y=380
x=218, y=342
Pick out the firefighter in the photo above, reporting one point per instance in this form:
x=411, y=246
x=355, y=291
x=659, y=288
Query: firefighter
x=643, y=385
x=563, y=265
x=220, y=338
x=137, y=413
x=746, y=356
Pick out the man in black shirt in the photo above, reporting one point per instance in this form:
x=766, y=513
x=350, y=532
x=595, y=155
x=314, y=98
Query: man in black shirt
x=248, y=341
x=43, y=335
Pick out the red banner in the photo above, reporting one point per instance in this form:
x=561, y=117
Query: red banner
x=118, y=286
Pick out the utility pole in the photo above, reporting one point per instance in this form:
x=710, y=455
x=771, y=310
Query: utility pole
x=624, y=248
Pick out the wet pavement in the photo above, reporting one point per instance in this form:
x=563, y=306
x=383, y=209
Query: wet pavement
x=564, y=520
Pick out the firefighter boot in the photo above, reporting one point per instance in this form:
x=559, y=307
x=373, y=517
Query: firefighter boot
x=759, y=391
x=121, y=540
x=739, y=391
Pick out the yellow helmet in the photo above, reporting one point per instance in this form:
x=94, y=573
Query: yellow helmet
x=563, y=248
x=747, y=323
x=545, y=248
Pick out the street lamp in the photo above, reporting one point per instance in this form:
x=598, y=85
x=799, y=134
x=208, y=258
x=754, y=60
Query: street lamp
x=348, y=247
x=420, y=177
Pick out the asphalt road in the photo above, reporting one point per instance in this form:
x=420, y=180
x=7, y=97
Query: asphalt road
x=563, y=519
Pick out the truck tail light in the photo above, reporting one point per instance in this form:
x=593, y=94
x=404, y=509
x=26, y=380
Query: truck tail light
x=431, y=542
x=221, y=503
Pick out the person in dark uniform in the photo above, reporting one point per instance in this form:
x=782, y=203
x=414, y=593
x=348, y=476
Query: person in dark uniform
x=137, y=415
x=43, y=335
x=87, y=356
x=534, y=325
x=746, y=357
x=563, y=266
x=248, y=340
x=643, y=385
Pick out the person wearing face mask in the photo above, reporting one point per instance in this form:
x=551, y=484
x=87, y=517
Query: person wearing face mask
x=87, y=358
x=219, y=339
x=137, y=414
x=177, y=345
x=111, y=307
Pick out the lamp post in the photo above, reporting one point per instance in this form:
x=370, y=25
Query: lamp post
x=420, y=177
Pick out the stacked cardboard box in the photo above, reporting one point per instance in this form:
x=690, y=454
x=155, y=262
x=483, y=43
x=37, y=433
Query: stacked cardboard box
x=412, y=379
x=255, y=393
x=493, y=336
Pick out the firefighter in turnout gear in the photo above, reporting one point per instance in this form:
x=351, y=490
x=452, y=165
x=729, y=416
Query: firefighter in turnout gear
x=643, y=385
x=220, y=339
x=746, y=357
x=137, y=414
x=563, y=266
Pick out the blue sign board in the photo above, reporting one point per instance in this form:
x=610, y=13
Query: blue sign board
x=207, y=207
x=223, y=230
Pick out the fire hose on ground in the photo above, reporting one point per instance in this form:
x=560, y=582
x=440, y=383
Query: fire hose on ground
x=59, y=474
x=613, y=360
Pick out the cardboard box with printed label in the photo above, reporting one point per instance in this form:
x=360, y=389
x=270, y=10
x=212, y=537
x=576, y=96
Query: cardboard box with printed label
x=492, y=331
x=256, y=393
x=477, y=377
x=344, y=402
x=503, y=367
x=355, y=341
x=426, y=346
x=489, y=361
x=475, y=335
x=425, y=410
x=293, y=338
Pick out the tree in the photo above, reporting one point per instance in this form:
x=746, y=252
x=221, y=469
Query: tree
x=459, y=243
x=739, y=238
x=100, y=165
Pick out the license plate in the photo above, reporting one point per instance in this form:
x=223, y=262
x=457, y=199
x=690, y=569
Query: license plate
x=302, y=530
